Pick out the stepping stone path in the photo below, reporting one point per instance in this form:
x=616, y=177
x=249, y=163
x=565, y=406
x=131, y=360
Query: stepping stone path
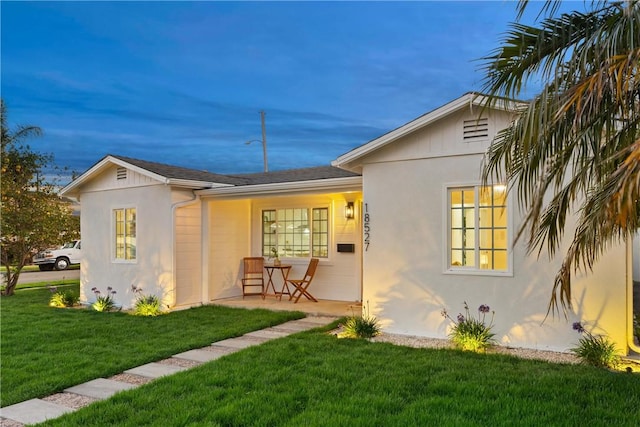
x=38, y=410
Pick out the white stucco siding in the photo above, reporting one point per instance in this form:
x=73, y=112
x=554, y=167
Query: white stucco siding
x=228, y=241
x=152, y=269
x=188, y=253
x=406, y=283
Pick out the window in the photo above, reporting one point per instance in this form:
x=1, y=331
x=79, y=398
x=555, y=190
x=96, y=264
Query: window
x=296, y=232
x=125, y=234
x=478, y=237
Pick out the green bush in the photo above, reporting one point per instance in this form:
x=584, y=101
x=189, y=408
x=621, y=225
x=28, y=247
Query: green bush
x=365, y=326
x=145, y=305
x=63, y=298
x=104, y=302
x=636, y=327
x=470, y=333
x=595, y=350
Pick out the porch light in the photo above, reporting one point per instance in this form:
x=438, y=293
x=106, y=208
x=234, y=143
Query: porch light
x=349, y=211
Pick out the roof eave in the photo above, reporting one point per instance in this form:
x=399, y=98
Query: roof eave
x=349, y=160
x=353, y=183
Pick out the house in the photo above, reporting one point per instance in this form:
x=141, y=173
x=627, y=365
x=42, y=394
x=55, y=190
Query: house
x=436, y=239
x=181, y=234
x=426, y=235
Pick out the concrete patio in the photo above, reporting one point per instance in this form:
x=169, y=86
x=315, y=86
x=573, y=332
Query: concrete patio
x=320, y=308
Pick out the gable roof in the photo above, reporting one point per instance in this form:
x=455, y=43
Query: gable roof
x=181, y=173
x=350, y=160
x=201, y=180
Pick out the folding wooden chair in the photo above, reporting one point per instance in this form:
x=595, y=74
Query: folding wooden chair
x=253, y=275
x=301, y=285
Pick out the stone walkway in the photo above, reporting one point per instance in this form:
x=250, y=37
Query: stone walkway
x=38, y=410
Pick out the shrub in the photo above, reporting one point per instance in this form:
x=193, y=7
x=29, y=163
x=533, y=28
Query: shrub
x=636, y=327
x=63, y=298
x=365, y=326
x=145, y=305
x=104, y=302
x=595, y=350
x=470, y=333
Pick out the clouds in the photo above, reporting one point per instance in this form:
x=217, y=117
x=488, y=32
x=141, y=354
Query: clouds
x=183, y=82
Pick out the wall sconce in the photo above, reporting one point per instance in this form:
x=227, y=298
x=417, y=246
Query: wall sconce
x=349, y=211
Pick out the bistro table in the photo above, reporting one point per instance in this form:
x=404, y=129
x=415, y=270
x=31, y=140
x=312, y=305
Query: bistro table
x=284, y=270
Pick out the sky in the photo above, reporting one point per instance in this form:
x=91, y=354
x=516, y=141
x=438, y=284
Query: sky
x=183, y=82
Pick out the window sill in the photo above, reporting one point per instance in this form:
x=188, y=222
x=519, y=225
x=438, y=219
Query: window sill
x=475, y=272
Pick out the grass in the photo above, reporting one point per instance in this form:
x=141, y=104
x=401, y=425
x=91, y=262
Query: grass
x=314, y=379
x=46, y=349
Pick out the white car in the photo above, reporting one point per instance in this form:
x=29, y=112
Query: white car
x=61, y=258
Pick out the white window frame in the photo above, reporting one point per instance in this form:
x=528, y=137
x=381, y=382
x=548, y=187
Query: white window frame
x=309, y=209
x=112, y=235
x=447, y=268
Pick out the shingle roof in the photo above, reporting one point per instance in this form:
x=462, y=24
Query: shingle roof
x=177, y=172
x=291, y=175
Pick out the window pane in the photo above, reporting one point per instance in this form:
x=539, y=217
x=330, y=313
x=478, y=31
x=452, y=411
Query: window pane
x=469, y=238
x=500, y=239
x=468, y=197
x=500, y=260
x=500, y=217
x=485, y=217
x=469, y=259
x=486, y=260
x=456, y=258
x=486, y=239
x=456, y=239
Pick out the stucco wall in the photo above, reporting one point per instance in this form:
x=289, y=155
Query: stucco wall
x=152, y=271
x=406, y=282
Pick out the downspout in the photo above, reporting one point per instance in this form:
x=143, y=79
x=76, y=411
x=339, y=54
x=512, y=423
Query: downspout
x=174, y=273
x=630, y=342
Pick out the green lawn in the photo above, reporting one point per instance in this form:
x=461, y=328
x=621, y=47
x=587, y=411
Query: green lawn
x=315, y=379
x=45, y=349
x=311, y=378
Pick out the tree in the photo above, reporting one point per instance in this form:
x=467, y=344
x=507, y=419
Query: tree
x=33, y=215
x=575, y=148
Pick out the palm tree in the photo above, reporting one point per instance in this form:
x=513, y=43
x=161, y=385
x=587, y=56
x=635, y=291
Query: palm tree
x=577, y=142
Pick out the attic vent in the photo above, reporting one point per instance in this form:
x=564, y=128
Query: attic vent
x=475, y=129
x=121, y=173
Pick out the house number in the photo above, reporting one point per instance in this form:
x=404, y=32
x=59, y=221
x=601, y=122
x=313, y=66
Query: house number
x=366, y=227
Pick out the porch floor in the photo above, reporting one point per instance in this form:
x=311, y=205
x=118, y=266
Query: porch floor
x=320, y=308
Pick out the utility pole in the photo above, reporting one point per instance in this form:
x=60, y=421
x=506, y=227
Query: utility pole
x=264, y=141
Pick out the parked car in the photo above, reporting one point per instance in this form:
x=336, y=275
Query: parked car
x=59, y=259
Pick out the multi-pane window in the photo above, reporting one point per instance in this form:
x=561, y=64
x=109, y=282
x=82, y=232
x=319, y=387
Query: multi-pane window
x=478, y=228
x=296, y=232
x=125, y=234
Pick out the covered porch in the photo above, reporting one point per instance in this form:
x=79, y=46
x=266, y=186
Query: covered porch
x=320, y=308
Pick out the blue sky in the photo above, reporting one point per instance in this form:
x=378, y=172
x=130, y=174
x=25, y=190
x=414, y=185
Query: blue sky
x=183, y=82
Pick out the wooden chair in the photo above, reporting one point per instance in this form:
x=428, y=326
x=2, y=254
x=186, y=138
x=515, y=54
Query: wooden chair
x=253, y=275
x=301, y=285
